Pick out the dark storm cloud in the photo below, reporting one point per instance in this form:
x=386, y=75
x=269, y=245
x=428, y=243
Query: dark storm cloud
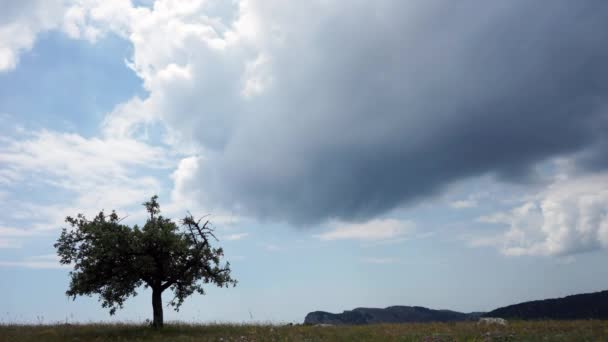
x=374, y=105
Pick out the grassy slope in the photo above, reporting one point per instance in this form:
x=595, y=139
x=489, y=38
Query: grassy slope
x=515, y=331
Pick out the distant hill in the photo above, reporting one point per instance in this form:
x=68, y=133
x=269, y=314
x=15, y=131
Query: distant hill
x=392, y=314
x=581, y=306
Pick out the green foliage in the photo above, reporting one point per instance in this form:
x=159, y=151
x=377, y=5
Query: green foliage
x=113, y=260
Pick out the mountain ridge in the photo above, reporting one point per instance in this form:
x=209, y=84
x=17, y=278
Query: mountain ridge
x=593, y=305
x=391, y=314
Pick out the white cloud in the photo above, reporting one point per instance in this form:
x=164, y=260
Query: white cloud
x=373, y=230
x=86, y=160
x=182, y=177
x=97, y=173
x=20, y=23
x=127, y=120
x=177, y=49
x=11, y=237
x=183, y=197
x=270, y=247
x=380, y=261
x=464, y=204
x=257, y=76
x=10, y=243
x=10, y=231
x=50, y=261
x=235, y=237
x=569, y=217
x=97, y=170
x=495, y=218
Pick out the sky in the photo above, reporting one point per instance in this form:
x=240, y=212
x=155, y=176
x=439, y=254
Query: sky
x=452, y=155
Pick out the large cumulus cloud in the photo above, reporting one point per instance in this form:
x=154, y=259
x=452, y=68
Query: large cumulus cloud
x=383, y=103
x=306, y=111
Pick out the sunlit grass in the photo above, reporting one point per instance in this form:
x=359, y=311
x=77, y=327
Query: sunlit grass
x=588, y=330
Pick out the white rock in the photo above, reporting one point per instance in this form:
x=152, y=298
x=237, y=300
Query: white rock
x=492, y=320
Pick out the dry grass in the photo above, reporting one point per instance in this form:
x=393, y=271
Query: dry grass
x=591, y=330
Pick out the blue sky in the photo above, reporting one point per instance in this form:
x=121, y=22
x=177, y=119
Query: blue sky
x=385, y=153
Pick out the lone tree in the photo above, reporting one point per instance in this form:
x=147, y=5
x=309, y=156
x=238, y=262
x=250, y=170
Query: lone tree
x=113, y=260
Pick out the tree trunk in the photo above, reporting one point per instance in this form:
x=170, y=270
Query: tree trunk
x=157, y=307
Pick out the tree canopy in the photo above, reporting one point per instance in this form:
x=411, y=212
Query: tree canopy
x=114, y=260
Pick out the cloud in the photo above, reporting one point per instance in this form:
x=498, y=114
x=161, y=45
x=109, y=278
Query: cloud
x=374, y=230
x=182, y=178
x=10, y=231
x=380, y=261
x=10, y=243
x=11, y=237
x=359, y=111
x=20, y=23
x=315, y=111
x=73, y=156
x=92, y=173
x=272, y=247
x=234, y=237
x=464, y=204
x=50, y=261
x=569, y=217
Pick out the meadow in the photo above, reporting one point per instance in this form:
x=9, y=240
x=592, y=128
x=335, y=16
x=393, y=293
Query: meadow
x=583, y=330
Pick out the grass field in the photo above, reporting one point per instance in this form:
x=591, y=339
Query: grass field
x=591, y=330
